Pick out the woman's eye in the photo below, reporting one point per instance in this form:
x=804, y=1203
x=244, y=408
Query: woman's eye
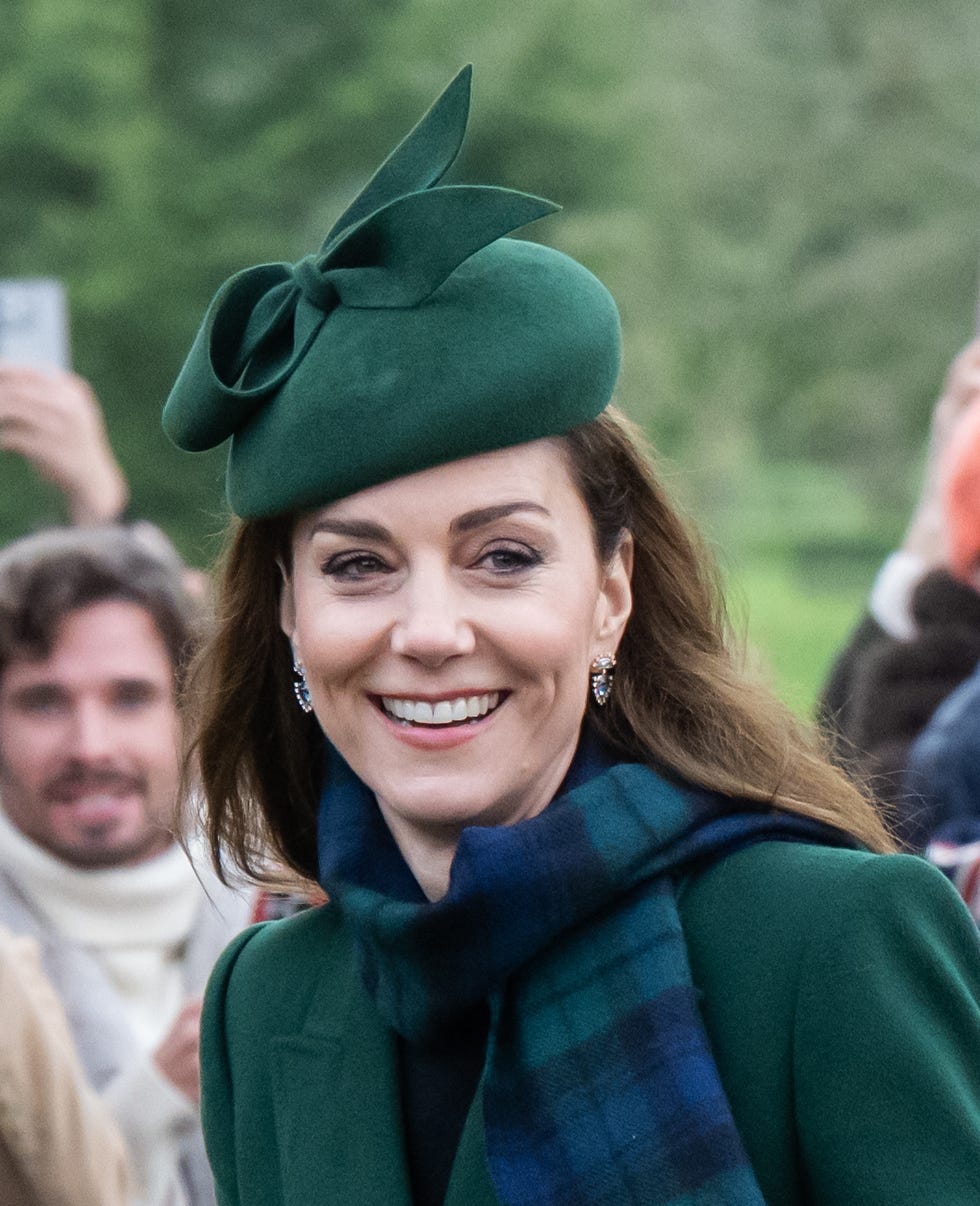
x=510, y=559
x=354, y=567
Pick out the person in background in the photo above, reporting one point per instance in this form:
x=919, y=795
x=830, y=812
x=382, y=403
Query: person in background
x=943, y=771
x=53, y=419
x=921, y=636
x=943, y=777
x=59, y=1145
x=95, y=631
x=603, y=924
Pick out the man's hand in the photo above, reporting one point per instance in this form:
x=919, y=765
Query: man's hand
x=53, y=420
x=178, y=1056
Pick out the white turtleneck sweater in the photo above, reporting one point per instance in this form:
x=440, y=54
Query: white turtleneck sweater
x=135, y=922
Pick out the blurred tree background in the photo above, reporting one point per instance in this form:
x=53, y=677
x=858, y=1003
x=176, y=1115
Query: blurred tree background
x=781, y=195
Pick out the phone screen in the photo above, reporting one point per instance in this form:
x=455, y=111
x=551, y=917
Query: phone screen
x=34, y=323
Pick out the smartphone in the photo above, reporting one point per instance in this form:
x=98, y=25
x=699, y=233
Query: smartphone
x=34, y=323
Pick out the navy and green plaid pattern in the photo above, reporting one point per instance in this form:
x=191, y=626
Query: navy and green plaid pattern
x=600, y=1088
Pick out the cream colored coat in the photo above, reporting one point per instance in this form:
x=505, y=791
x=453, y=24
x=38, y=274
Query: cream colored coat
x=58, y=1143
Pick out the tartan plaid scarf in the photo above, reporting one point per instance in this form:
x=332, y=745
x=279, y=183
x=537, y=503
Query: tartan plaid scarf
x=600, y=1088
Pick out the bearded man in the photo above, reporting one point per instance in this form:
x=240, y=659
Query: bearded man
x=96, y=629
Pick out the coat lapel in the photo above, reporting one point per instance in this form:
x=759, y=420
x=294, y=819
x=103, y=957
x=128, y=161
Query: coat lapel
x=337, y=1112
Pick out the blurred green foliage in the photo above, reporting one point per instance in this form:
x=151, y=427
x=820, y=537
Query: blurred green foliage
x=793, y=628
x=781, y=195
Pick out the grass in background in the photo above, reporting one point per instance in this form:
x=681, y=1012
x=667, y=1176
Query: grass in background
x=794, y=626
x=799, y=548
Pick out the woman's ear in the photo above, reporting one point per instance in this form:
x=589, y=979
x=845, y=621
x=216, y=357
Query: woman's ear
x=616, y=595
x=287, y=604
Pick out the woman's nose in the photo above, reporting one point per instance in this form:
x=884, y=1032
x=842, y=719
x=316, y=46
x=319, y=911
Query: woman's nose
x=431, y=627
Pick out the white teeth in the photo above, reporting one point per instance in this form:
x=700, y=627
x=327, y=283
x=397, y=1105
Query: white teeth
x=446, y=711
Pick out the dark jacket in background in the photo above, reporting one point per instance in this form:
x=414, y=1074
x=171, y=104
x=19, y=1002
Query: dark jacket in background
x=882, y=691
x=944, y=766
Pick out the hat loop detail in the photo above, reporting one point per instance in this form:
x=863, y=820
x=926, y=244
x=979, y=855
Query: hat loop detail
x=314, y=285
x=256, y=335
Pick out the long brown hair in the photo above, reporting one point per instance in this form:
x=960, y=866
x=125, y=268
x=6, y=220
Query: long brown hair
x=682, y=700
x=681, y=703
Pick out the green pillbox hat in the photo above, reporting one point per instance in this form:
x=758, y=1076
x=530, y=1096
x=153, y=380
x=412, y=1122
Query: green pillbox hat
x=417, y=335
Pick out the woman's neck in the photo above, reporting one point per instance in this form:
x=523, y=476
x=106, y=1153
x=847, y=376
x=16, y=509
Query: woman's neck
x=429, y=852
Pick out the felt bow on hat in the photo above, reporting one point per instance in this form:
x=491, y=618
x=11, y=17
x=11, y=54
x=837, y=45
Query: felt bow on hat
x=417, y=335
x=392, y=248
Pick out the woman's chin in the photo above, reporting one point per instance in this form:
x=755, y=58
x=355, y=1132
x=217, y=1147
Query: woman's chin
x=449, y=807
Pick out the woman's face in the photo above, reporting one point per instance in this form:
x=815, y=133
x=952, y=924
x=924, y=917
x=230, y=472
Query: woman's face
x=446, y=622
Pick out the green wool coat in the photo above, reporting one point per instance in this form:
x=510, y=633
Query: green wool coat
x=840, y=991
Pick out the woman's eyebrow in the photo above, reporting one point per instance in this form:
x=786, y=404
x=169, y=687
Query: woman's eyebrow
x=478, y=519
x=356, y=529
x=366, y=529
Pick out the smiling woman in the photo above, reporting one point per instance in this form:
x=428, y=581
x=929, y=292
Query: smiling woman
x=409, y=608
x=604, y=925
